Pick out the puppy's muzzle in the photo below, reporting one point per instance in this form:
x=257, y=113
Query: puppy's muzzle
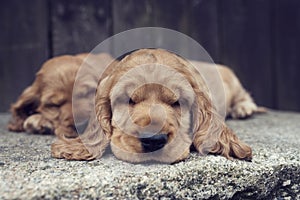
x=154, y=142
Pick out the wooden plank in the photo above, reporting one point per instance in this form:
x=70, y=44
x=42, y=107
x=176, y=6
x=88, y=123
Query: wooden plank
x=23, y=45
x=171, y=14
x=132, y=14
x=204, y=25
x=287, y=44
x=194, y=18
x=79, y=26
x=197, y=19
x=245, y=45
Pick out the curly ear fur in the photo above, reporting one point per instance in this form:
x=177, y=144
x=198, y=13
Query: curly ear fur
x=93, y=142
x=90, y=145
x=24, y=107
x=211, y=135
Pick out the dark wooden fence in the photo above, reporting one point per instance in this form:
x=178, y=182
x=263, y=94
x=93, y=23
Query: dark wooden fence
x=259, y=39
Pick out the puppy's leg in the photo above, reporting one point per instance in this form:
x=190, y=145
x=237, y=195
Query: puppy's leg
x=243, y=105
x=25, y=106
x=38, y=124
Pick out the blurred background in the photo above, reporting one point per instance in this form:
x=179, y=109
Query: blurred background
x=258, y=39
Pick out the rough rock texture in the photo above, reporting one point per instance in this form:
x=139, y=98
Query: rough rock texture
x=28, y=172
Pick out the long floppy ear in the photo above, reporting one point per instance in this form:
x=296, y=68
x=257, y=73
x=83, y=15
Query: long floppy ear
x=211, y=135
x=25, y=106
x=93, y=142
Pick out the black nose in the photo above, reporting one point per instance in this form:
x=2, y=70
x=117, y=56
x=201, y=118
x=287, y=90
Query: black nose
x=154, y=143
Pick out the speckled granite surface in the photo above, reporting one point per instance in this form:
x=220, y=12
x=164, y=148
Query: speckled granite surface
x=28, y=172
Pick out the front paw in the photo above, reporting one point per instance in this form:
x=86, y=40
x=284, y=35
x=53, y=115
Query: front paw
x=37, y=124
x=71, y=149
x=243, y=110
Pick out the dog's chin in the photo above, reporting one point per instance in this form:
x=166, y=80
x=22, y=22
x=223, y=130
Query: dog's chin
x=168, y=154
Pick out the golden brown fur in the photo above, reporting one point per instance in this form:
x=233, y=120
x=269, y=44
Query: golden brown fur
x=149, y=91
x=46, y=106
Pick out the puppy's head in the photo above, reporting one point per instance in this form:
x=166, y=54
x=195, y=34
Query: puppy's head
x=149, y=100
x=65, y=89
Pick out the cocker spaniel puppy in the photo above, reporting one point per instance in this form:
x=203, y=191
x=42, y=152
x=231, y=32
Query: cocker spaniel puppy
x=152, y=105
x=45, y=107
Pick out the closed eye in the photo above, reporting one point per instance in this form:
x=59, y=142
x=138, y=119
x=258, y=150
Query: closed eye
x=176, y=104
x=124, y=100
x=51, y=104
x=131, y=102
x=54, y=101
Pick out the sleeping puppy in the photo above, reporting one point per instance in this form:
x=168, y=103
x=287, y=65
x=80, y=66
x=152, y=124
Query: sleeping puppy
x=45, y=107
x=152, y=105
